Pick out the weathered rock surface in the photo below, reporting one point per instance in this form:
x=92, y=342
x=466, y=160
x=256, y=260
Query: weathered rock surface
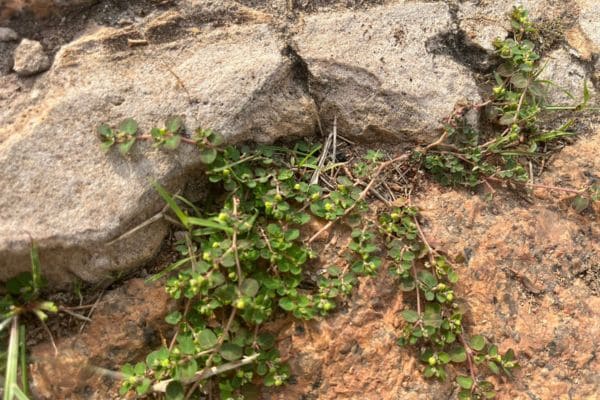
x=62, y=191
x=30, y=58
x=377, y=70
x=221, y=65
x=389, y=71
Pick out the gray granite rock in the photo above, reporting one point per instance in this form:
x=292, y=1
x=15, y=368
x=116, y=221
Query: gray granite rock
x=380, y=71
x=72, y=199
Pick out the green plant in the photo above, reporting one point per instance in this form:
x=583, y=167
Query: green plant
x=244, y=262
x=247, y=255
x=246, y=258
x=435, y=325
x=22, y=297
x=124, y=136
x=465, y=157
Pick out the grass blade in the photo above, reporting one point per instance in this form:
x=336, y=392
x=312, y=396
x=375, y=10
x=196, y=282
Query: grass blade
x=5, y=323
x=208, y=223
x=187, y=203
x=12, y=360
x=172, y=204
x=23, y=359
x=170, y=268
x=547, y=137
x=16, y=391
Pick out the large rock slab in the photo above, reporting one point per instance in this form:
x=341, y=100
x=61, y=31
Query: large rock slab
x=61, y=190
x=377, y=70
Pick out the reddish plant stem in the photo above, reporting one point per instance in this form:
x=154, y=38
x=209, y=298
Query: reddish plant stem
x=183, y=139
x=470, y=364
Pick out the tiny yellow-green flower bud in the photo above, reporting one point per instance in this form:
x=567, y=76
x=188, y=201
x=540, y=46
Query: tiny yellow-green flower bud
x=240, y=304
x=223, y=217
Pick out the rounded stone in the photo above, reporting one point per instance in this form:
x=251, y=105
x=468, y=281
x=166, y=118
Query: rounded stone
x=30, y=58
x=8, y=35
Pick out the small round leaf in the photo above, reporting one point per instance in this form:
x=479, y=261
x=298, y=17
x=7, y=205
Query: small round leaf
x=231, y=352
x=410, y=316
x=250, y=287
x=208, y=155
x=477, y=342
x=464, y=382
x=175, y=391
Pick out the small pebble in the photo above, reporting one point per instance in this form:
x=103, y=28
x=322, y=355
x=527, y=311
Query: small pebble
x=8, y=35
x=30, y=58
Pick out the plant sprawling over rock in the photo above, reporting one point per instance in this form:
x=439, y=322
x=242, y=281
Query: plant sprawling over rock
x=247, y=254
x=246, y=259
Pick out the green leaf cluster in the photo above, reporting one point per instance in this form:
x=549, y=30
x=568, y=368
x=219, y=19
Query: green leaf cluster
x=435, y=325
x=243, y=262
x=519, y=101
x=168, y=137
x=124, y=136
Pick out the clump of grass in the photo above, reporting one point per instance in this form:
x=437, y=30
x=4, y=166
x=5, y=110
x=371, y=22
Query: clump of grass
x=22, y=297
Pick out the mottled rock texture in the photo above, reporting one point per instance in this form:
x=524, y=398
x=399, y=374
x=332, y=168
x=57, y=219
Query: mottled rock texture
x=377, y=70
x=124, y=325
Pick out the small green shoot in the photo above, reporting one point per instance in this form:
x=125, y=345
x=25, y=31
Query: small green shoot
x=22, y=297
